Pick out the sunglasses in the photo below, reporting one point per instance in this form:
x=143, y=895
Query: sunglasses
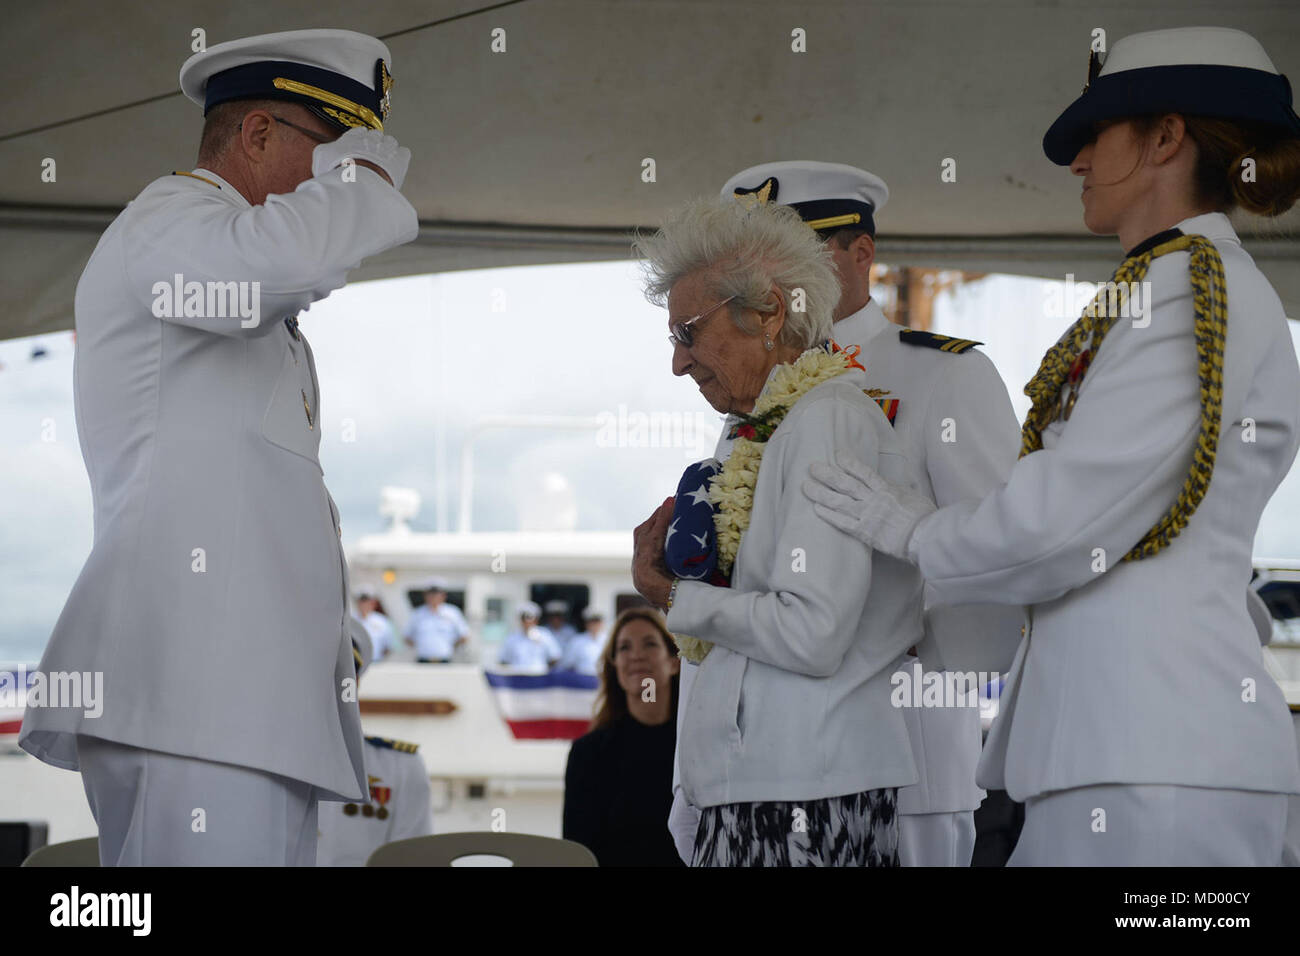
x=680, y=332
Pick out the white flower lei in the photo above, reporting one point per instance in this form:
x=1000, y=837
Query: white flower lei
x=732, y=489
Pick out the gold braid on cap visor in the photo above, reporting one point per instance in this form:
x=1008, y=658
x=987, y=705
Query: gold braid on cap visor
x=849, y=219
x=1211, y=315
x=348, y=113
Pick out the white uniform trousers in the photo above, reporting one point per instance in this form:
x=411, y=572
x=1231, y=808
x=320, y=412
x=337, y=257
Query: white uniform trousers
x=1291, y=847
x=145, y=804
x=1152, y=825
x=936, y=839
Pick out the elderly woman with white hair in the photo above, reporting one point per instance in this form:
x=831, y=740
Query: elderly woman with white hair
x=788, y=742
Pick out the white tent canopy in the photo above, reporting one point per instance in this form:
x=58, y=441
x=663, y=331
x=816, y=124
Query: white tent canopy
x=536, y=154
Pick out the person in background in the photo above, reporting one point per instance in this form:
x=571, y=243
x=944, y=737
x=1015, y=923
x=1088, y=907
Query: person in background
x=438, y=628
x=529, y=647
x=557, y=622
x=400, y=800
x=584, y=650
x=370, y=612
x=618, y=782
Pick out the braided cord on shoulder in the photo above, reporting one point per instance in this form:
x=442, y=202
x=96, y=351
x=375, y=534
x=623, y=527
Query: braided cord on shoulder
x=1209, y=296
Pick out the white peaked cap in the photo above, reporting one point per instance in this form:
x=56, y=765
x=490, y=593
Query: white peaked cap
x=822, y=193
x=341, y=75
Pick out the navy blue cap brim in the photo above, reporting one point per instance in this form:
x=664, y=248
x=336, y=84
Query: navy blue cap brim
x=330, y=95
x=817, y=210
x=1223, y=92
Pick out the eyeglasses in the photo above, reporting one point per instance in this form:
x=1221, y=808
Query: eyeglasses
x=302, y=129
x=680, y=332
x=306, y=132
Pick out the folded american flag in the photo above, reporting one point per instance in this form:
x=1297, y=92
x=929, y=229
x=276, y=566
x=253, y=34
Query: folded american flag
x=691, y=545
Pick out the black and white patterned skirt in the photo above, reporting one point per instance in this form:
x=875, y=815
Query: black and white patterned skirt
x=859, y=829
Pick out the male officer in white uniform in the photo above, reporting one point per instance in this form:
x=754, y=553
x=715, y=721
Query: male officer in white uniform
x=557, y=622
x=529, y=647
x=951, y=408
x=215, y=598
x=585, y=651
x=399, y=803
x=436, y=628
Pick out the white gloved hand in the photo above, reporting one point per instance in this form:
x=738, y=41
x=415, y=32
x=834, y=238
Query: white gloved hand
x=683, y=822
x=855, y=498
x=367, y=144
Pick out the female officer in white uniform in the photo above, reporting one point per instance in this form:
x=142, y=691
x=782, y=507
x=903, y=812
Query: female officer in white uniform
x=1139, y=724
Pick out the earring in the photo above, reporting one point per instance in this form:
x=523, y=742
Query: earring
x=768, y=344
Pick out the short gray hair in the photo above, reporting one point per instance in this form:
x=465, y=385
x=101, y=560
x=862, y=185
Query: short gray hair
x=744, y=251
x=222, y=123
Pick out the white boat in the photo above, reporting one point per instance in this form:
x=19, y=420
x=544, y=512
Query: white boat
x=479, y=768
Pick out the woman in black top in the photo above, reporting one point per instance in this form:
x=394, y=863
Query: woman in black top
x=618, y=784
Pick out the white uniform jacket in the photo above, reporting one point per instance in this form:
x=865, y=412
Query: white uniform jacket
x=961, y=438
x=400, y=807
x=214, y=599
x=793, y=702
x=436, y=631
x=1149, y=671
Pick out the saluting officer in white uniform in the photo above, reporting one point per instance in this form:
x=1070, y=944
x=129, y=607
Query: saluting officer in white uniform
x=216, y=544
x=398, y=806
x=950, y=407
x=1139, y=723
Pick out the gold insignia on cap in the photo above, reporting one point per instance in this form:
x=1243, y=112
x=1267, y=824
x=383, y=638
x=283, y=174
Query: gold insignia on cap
x=332, y=99
x=347, y=119
x=383, y=83
x=763, y=193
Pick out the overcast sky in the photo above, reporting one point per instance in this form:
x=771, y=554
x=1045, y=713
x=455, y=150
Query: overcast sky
x=406, y=366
